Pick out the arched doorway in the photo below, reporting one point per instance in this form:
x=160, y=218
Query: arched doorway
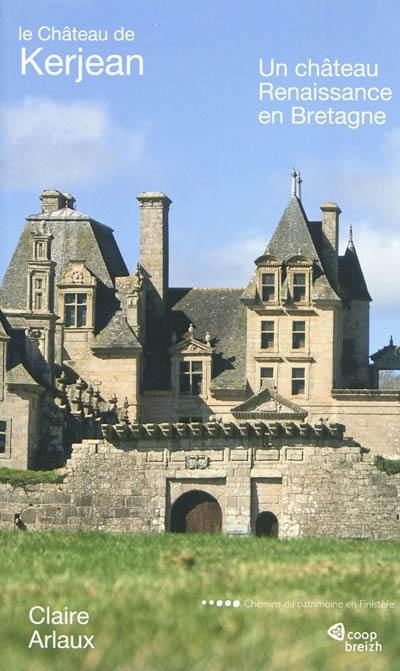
x=196, y=512
x=267, y=524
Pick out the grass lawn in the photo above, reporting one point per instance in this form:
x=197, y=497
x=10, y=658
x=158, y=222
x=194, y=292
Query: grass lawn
x=143, y=594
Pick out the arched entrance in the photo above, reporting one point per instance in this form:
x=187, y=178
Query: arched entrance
x=267, y=524
x=196, y=512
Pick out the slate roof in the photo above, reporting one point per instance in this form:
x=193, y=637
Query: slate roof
x=293, y=233
x=117, y=334
x=293, y=236
x=351, y=277
x=218, y=311
x=389, y=354
x=76, y=236
x=17, y=368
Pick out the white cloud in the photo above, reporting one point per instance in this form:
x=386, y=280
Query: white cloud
x=46, y=142
x=379, y=254
x=229, y=266
x=372, y=191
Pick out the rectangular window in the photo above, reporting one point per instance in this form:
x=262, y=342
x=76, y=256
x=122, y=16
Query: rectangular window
x=38, y=302
x=38, y=286
x=298, y=335
x=75, y=310
x=3, y=436
x=268, y=290
x=190, y=420
x=190, y=378
x=298, y=381
x=266, y=377
x=39, y=250
x=267, y=334
x=299, y=287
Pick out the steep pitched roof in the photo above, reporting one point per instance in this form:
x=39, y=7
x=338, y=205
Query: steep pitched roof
x=218, y=311
x=351, y=278
x=293, y=236
x=292, y=233
x=117, y=334
x=76, y=236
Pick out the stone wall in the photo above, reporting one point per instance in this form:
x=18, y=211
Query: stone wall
x=371, y=417
x=315, y=487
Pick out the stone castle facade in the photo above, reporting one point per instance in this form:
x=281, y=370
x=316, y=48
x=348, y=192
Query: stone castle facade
x=200, y=386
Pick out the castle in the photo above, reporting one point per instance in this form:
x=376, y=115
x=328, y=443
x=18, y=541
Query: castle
x=93, y=355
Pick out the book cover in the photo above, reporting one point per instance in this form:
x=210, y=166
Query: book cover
x=199, y=336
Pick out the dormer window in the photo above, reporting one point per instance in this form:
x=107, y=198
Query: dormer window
x=299, y=287
x=77, y=297
x=299, y=279
x=75, y=310
x=268, y=287
x=190, y=378
x=191, y=363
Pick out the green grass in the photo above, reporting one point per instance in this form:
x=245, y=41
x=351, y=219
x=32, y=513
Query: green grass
x=389, y=466
x=143, y=594
x=18, y=478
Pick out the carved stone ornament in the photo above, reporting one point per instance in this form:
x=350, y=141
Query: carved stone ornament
x=77, y=273
x=196, y=461
x=77, y=276
x=34, y=334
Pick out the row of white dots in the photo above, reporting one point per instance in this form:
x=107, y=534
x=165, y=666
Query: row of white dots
x=220, y=602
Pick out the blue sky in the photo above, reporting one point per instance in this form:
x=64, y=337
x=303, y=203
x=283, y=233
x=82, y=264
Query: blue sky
x=189, y=127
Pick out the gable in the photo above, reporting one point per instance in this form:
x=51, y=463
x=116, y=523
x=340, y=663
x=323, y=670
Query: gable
x=268, y=404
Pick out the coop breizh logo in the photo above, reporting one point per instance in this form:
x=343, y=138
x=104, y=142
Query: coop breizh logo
x=355, y=641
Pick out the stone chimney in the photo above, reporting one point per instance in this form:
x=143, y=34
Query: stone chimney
x=154, y=250
x=52, y=200
x=330, y=239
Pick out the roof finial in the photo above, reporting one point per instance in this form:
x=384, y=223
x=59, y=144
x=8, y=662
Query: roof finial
x=351, y=234
x=299, y=181
x=294, y=185
x=391, y=341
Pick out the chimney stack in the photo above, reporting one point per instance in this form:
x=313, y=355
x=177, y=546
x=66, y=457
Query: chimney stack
x=330, y=239
x=52, y=200
x=154, y=252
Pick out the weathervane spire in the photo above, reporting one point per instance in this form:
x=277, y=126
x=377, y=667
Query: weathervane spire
x=299, y=181
x=351, y=235
x=294, y=184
